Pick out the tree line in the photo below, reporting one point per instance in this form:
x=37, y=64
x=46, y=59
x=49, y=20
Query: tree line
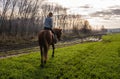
x=24, y=18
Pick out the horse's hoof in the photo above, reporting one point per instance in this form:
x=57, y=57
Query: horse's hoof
x=45, y=62
x=52, y=56
x=42, y=66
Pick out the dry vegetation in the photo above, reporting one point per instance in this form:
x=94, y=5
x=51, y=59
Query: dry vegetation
x=21, y=20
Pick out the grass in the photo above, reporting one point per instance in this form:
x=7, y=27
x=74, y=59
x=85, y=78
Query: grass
x=98, y=60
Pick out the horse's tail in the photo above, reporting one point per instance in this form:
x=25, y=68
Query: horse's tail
x=45, y=47
x=45, y=42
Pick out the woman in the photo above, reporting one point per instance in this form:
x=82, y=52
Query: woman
x=48, y=25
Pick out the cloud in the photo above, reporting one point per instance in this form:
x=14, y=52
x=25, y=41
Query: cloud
x=86, y=6
x=100, y=13
x=115, y=7
x=110, y=12
x=116, y=11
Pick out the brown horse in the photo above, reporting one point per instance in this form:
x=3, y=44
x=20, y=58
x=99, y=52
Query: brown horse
x=45, y=39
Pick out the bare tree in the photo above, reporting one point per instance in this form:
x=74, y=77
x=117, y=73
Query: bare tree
x=86, y=27
x=5, y=7
x=24, y=18
x=13, y=4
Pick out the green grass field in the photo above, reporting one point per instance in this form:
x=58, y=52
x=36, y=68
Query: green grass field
x=95, y=60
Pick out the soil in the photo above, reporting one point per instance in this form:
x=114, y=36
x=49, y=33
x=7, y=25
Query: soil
x=24, y=48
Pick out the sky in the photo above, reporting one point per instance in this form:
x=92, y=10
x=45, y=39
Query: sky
x=97, y=12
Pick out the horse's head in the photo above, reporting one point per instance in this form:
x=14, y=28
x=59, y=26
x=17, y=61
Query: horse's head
x=58, y=32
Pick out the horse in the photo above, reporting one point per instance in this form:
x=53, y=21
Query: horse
x=45, y=39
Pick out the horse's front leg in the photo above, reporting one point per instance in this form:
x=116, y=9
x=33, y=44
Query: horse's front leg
x=53, y=46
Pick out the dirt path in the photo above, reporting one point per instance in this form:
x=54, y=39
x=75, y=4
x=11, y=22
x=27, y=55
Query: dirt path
x=11, y=51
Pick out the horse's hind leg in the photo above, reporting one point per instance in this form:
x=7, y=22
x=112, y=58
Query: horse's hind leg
x=53, y=46
x=42, y=58
x=45, y=54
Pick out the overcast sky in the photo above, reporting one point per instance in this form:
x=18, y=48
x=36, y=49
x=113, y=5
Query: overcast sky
x=98, y=12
